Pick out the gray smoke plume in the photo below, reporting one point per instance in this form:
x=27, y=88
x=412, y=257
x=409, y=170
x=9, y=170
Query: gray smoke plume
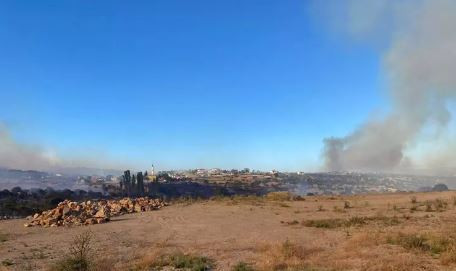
x=20, y=156
x=420, y=64
x=15, y=155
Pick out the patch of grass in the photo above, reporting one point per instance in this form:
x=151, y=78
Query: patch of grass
x=413, y=199
x=329, y=223
x=7, y=262
x=354, y=221
x=410, y=241
x=279, y=196
x=440, y=204
x=242, y=266
x=3, y=237
x=284, y=256
x=184, y=261
x=442, y=246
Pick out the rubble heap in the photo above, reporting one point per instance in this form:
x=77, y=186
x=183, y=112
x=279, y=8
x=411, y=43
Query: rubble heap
x=92, y=212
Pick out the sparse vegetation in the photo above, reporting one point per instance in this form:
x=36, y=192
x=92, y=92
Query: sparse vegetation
x=284, y=256
x=7, y=262
x=438, y=245
x=79, y=256
x=351, y=222
x=3, y=237
x=242, y=266
x=279, y=196
x=183, y=261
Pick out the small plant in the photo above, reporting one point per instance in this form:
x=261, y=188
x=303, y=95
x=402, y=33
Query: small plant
x=413, y=199
x=347, y=205
x=413, y=208
x=428, y=206
x=242, y=266
x=320, y=208
x=79, y=254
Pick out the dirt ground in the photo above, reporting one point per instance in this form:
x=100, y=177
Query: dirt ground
x=248, y=229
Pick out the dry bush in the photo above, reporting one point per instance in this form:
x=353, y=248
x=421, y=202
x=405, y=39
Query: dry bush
x=80, y=256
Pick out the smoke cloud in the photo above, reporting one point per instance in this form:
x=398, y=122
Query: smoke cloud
x=419, y=64
x=15, y=155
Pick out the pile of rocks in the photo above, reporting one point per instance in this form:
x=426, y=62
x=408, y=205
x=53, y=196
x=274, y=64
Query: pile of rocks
x=69, y=213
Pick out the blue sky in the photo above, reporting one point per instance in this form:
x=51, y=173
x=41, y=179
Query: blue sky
x=182, y=84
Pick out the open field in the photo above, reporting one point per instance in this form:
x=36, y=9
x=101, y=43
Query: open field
x=404, y=231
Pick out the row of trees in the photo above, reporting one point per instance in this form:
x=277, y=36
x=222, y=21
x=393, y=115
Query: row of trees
x=133, y=185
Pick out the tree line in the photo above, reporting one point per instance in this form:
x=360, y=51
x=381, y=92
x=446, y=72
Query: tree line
x=133, y=185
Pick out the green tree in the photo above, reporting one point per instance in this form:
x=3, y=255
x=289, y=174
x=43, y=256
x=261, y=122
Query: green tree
x=140, y=180
x=134, y=189
x=127, y=182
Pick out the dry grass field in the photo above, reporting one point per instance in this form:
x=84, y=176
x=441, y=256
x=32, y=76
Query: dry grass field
x=403, y=231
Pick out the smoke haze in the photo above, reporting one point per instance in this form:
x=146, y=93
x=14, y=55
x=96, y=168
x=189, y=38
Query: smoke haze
x=419, y=63
x=15, y=155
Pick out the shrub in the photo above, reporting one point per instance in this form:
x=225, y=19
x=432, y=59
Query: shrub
x=347, y=205
x=413, y=199
x=79, y=256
